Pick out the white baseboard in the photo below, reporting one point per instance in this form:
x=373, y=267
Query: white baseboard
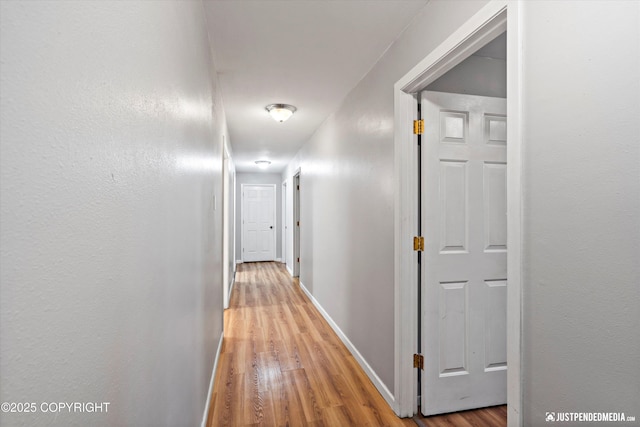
x=213, y=377
x=238, y=261
x=278, y=259
x=375, y=379
x=289, y=270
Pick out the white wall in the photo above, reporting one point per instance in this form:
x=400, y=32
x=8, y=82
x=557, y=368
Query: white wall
x=347, y=198
x=258, y=178
x=111, y=248
x=581, y=208
x=476, y=75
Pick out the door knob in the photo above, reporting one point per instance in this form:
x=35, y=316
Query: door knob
x=271, y=226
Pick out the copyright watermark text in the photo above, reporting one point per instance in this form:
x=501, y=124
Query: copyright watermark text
x=54, y=407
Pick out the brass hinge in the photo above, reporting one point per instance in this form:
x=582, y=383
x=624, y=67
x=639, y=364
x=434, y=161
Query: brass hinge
x=298, y=223
x=418, y=127
x=298, y=187
x=418, y=361
x=418, y=243
x=298, y=259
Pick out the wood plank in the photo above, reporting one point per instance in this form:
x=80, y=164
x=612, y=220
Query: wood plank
x=495, y=416
x=258, y=402
x=288, y=406
x=337, y=416
x=305, y=393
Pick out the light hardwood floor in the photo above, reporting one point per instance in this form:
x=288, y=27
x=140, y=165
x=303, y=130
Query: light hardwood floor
x=282, y=364
x=496, y=416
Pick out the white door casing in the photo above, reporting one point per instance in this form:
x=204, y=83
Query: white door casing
x=225, y=228
x=296, y=224
x=258, y=222
x=285, y=247
x=464, y=267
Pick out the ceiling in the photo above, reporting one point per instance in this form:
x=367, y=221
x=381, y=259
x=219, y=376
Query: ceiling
x=308, y=53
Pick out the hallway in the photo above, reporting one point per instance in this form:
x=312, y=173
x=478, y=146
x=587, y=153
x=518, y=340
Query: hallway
x=127, y=130
x=281, y=364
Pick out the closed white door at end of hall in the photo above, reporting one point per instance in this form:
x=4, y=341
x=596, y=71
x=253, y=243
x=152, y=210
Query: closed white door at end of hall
x=258, y=223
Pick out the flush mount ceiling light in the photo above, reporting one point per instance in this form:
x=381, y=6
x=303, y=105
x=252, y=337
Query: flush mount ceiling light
x=262, y=164
x=281, y=112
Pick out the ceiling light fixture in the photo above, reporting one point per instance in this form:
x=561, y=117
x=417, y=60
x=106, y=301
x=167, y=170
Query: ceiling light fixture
x=263, y=164
x=281, y=112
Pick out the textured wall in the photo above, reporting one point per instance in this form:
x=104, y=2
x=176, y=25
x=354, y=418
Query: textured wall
x=347, y=199
x=581, y=257
x=111, y=247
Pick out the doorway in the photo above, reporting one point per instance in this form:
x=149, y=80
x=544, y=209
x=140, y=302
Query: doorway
x=258, y=222
x=477, y=32
x=463, y=269
x=296, y=224
x=285, y=226
x=225, y=227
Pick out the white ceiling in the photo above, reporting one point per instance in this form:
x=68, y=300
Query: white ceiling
x=309, y=53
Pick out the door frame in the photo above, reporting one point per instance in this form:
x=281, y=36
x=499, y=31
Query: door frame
x=492, y=20
x=296, y=228
x=225, y=225
x=284, y=222
x=275, y=198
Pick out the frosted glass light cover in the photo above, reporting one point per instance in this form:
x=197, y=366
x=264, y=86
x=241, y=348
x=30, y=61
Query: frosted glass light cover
x=281, y=112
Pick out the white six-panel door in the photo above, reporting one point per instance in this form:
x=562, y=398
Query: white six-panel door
x=464, y=268
x=258, y=222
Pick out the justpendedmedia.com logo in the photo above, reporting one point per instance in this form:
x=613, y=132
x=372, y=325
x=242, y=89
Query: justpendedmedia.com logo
x=612, y=417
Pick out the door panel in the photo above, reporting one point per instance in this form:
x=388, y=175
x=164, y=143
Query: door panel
x=258, y=223
x=495, y=206
x=495, y=325
x=464, y=264
x=453, y=206
x=453, y=333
